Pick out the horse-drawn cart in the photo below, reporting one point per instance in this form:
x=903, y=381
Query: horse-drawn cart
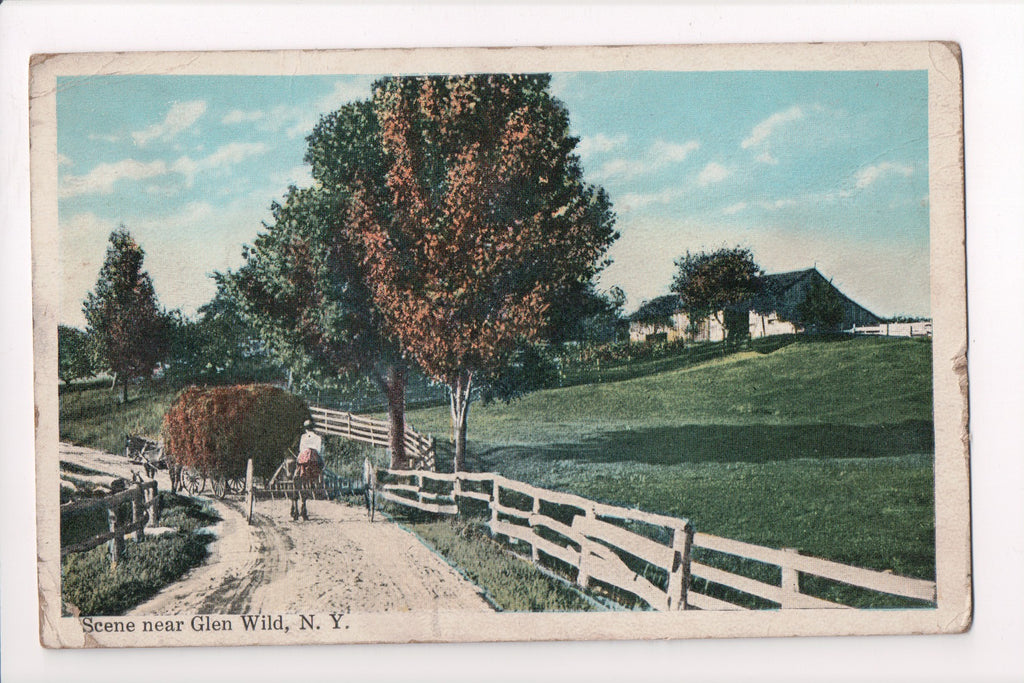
x=194, y=482
x=145, y=452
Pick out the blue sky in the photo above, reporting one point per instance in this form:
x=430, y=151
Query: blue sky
x=805, y=168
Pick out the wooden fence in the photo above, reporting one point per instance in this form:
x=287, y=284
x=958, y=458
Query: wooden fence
x=791, y=564
x=421, y=450
x=644, y=554
x=595, y=542
x=145, y=504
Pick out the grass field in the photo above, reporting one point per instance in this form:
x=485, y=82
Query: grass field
x=822, y=446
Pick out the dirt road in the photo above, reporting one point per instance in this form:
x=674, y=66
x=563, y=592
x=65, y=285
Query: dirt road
x=337, y=561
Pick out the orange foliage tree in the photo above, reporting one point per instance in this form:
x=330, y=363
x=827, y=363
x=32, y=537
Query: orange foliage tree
x=215, y=430
x=485, y=221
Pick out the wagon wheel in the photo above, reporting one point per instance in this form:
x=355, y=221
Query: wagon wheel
x=220, y=486
x=236, y=485
x=193, y=482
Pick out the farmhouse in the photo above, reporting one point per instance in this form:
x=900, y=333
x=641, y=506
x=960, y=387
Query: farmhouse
x=773, y=311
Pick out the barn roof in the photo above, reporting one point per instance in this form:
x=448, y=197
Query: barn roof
x=780, y=292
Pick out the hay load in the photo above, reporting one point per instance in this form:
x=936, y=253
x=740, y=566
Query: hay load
x=215, y=430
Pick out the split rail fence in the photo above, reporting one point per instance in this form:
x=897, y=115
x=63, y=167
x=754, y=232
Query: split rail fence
x=647, y=555
x=145, y=509
x=422, y=450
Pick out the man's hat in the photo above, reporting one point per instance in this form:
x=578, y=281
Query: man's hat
x=307, y=423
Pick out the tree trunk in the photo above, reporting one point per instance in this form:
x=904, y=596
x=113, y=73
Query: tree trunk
x=124, y=390
x=394, y=389
x=459, y=394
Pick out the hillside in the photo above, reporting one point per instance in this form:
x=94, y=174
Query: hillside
x=822, y=446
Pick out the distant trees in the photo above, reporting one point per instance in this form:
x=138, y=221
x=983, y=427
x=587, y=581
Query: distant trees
x=124, y=321
x=217, y=346
x=74, y=354
x=708, y=283
x=485, y=221
x=821, y=309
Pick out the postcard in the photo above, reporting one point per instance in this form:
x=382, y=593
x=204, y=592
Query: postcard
x=448, y=345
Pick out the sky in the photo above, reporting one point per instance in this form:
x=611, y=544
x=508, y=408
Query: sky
x=825, y=169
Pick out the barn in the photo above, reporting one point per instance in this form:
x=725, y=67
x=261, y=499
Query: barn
x=774, y=311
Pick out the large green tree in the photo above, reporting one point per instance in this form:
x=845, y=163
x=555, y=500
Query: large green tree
x=303, y=287
x=125, y=322
x=483, y=221
x=708, y=283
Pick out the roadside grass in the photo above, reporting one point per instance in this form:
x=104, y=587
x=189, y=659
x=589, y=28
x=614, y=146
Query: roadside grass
x=91, y=413
x=92, y=587
x=822, y=446
x=511, y=584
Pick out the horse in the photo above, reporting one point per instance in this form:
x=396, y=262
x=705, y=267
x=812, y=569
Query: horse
x=305, y=472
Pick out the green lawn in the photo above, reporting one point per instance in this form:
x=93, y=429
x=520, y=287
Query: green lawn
x=91, y=413
x=822, y=446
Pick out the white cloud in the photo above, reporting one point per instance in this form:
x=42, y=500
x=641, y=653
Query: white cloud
x=238, y=116
x=590, y=145
x=104, y=138
x=766, y=158
x=180, y=116
x=227, y=155
x=671, y=152
x=101, y=179
x=777, y=204
x=868, y=175
x=63, y=161
x=637, y=200
x=733, y=209
x=763, y=130
x=659, y=155
x=713, y=173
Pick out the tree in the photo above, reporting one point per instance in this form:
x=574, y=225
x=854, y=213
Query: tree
x=124, y=320
x=303, y=289
x=485, y=220
x=586, y=314
x=821, y=309
x=217, y=346
x=74, y=354
x=710, y=282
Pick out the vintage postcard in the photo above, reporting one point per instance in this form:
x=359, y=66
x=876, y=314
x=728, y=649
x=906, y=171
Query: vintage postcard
x=500, y=344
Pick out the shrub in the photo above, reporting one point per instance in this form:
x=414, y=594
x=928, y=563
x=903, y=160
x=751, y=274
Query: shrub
x=215, y=430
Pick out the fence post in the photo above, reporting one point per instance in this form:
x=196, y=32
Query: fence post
x=155, y=503
x=117, y=542
x=419, y=488
x=534, y=550
x=456, y=489
x=582, y=576
x=137, y=513
x=494, y=505
x=248, y=491
x=790, y=578
x=679, y=578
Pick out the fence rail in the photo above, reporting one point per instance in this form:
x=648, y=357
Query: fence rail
x=145, y=501
x=591, y=539
x=602, y=543
x=421, y=450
